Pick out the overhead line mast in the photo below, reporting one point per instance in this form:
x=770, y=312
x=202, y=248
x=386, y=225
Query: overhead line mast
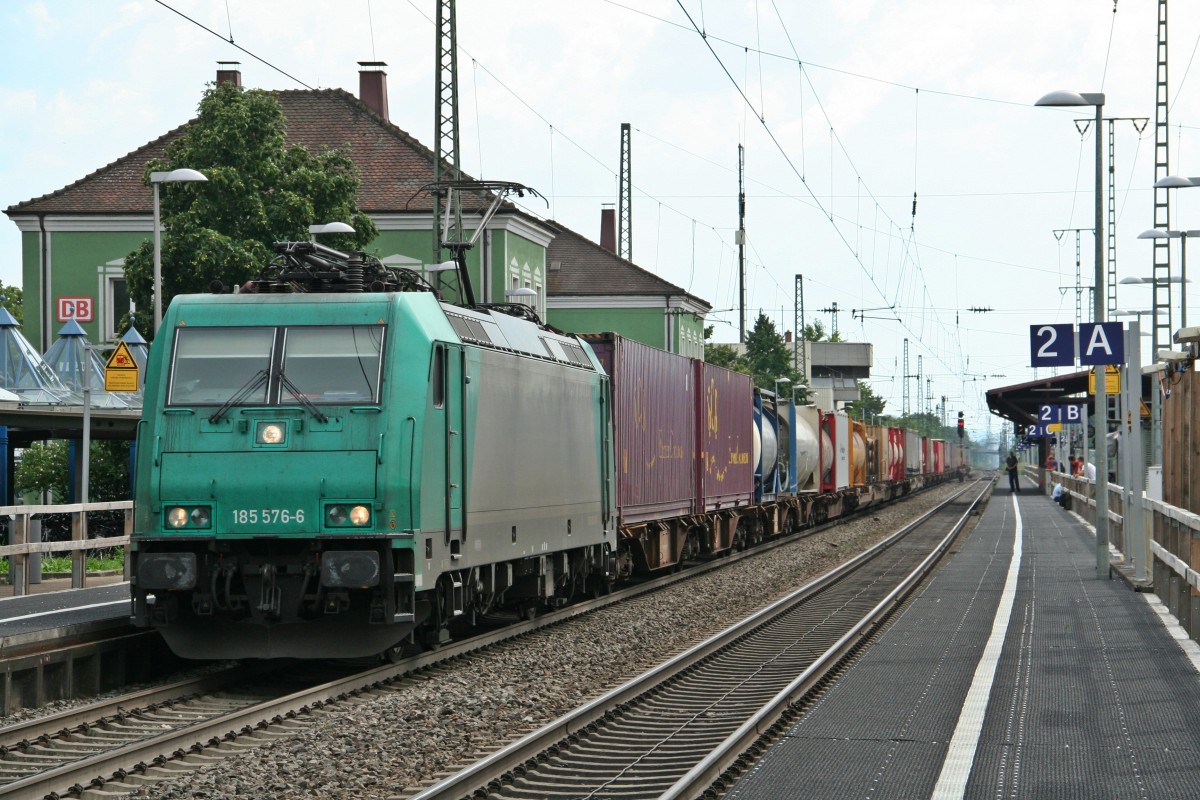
x=741, y=243
x=625, y=197
x=446, y=162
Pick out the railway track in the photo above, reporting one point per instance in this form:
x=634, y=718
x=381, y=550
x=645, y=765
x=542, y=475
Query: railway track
x=153, y=735
x=673, y=732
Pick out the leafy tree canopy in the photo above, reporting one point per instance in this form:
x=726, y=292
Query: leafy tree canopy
x=815, y=332
x=10, y=298
x=768, y=357
x=259, y=191
x=44, y=467
x=868, y=406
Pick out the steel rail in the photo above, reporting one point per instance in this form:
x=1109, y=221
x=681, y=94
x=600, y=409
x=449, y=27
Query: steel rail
x=702, y=776
x=72, y=777
x=504, y=761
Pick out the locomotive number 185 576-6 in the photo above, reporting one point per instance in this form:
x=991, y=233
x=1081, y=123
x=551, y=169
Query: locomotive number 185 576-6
x=266, y=516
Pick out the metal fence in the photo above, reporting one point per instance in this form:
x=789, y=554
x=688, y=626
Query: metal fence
x=1172, y=545
x=20, y=548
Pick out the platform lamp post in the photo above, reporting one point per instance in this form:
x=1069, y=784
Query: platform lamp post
x=181, y=175
x=1076, y=99
x=1182, y=236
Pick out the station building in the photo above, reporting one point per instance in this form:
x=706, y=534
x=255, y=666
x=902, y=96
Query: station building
x=75, y=239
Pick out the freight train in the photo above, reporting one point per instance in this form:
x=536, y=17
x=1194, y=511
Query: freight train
x=334, y=462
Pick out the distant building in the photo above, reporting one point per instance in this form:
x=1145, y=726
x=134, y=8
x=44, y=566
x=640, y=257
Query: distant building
x=74, y=240
x=832, y=370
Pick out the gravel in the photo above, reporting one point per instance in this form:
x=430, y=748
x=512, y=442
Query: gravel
x=431, y=723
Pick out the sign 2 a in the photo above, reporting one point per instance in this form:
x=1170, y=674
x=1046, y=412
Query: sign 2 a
x=1097, y=343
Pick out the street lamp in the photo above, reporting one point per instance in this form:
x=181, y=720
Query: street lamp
x=777, y=382
x=522, y=296
x=174, y=176
x=328, y=227
x=1182, y=236
x=1075, y=99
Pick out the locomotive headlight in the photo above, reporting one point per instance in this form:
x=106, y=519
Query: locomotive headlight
x=177, y=517
x=269, y=433
x=200, y=517
x=338, y=515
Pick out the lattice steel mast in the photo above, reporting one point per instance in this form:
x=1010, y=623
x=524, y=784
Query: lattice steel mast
x=625, y=197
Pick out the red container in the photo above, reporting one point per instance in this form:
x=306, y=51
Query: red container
x=725, y=431
x=896, y=454
x=939, y=456
x=654, y=421
x=827, y=468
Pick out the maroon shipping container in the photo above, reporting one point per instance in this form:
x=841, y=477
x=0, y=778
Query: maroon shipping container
x=725, y=431
x=654, y=421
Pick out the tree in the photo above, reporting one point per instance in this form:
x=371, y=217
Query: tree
x=868, y=406
x=10, y=298
x=815, y=332
x=259, y=191
x=44, y=467
x=767, y=355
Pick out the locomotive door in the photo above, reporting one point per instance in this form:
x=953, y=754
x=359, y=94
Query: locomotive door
x=455, y=432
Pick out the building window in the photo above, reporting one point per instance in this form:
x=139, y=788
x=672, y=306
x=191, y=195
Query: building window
x=117, y=304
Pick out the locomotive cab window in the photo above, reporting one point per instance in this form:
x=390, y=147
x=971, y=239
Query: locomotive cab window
x=213, y=364
x=276, y=366
x=333, y=364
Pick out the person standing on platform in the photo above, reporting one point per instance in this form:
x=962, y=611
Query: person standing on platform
x=1010, y=463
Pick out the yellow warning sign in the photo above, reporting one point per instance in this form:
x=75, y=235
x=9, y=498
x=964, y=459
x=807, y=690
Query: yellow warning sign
x=121, y=371
x=1112, y=380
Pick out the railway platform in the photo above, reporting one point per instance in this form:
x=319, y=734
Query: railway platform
x=53, y=610
x=1017, y=673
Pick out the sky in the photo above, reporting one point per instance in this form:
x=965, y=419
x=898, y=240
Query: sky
x=844, y=110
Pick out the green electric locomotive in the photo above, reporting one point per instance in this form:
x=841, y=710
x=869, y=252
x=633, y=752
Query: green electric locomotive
x=334, y=463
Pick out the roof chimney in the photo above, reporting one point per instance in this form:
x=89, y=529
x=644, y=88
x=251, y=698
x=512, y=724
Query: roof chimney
x=372, y=87
x=787, y=337
x=228, y=72
x=608, y=229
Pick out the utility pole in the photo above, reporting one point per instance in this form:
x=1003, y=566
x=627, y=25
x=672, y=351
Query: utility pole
x=1078, y=287
x=446, y=162
x=906, y=376
x=740, y=236
x=1160, y=291
x=625, y=198
x=920, y=385
x=833, y=312
x=1082, y=125
x=799, y=354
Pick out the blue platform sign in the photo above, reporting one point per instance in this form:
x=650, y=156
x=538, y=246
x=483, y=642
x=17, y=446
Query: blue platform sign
x=1101, y=344
x=1066, y=414
x=1037, y=432
x=1052, y=345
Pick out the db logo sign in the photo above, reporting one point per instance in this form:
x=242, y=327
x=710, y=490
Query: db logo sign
x=79, y=309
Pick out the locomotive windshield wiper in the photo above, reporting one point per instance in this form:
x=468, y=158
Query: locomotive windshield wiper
x=256, y=380
x=301, y=399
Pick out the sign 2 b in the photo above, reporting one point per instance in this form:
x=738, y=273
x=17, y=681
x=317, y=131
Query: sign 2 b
x=1067, y=414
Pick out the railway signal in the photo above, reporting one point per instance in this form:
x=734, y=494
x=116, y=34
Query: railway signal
x=962, y=430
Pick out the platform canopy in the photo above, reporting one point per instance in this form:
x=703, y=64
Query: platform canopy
x=24, y=373
x=71, y=361
x=1019, y=403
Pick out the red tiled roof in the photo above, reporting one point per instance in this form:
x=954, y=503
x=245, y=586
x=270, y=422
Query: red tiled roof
x=587, y=269
x=392, y=164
